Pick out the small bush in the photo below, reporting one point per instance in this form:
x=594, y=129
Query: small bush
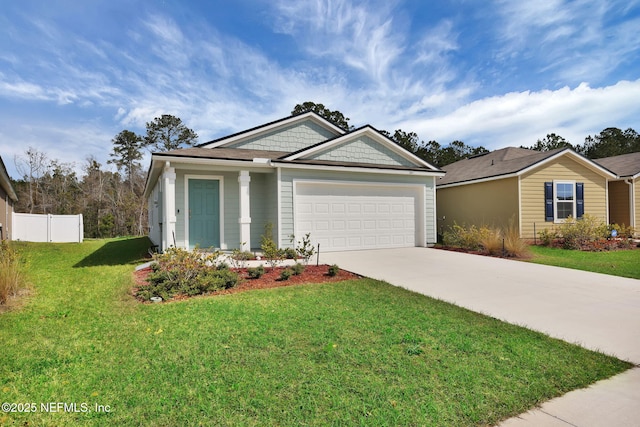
x=461, y=237
x=290, y=253
x=286, y=274
x=181, y=272
x=514, y=246
x=576, y=234
x=547, y=236
x=304, y=248
x=256, y=272
x=11, y=274
x=490, y=240
x=333, y=270
x=297, y=269
x=270, y=250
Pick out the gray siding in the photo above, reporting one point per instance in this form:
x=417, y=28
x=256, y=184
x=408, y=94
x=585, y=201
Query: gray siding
x=291, y=138
x=286, y=194
x=363, y=150
x=263, y=206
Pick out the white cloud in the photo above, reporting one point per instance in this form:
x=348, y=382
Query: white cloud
x=521, y=118
x=575, y=40
x=363, y=36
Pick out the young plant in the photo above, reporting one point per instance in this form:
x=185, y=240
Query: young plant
x=333, y=270
x=255, y=272
x=285, y=274
x=304, y=248
x=297, y=269
x=272, y=254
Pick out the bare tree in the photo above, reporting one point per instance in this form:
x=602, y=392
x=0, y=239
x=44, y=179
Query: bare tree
x=32, y=167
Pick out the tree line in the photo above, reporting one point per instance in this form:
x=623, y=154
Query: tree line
x=112, y=202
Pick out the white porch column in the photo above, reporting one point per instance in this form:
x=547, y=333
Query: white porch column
x=169, y=205
x=245, y=215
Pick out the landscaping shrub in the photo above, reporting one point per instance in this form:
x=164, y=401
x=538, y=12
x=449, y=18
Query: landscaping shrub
x=11, y=275
x=270, y=250
x=285, y=274
x=547, y=237
x=297, y=269
x=290, y=253
x=304, y=248
x=490, y=240
x=588, y=233
x=181, y=272
x=514, y=246
x=255, y=272
x=578, y=234
x=472, y=238
x=333, y=270
x=461, y=237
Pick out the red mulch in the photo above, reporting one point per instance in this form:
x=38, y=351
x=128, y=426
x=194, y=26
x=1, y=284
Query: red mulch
x=270, y=279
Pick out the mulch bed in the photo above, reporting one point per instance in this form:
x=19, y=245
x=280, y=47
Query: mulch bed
x=270, y=279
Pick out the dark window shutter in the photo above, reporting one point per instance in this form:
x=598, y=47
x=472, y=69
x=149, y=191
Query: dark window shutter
x=548, y=201
x=579, y=199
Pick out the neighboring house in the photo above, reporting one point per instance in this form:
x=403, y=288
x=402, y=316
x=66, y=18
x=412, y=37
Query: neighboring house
x=7, y=199
x=534, y=189
x=624, y=192
x=350, y=190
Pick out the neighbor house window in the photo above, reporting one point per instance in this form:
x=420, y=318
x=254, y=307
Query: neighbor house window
x=563, y=199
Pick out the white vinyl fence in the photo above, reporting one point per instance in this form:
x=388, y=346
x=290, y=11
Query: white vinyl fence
x=48, y=228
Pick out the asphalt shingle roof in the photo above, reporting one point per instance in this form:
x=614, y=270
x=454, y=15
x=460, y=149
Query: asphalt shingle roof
x=496, y=163
x=623, y=165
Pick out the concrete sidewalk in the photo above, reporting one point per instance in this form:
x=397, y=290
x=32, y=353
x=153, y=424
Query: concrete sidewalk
x=596, y=311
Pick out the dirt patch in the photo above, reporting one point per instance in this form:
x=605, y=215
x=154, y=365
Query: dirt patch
x=270, y=279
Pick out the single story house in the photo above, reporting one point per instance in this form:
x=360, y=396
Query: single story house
x=535, y=189
x=302, y=174
x=7, y=199
x=624, y=192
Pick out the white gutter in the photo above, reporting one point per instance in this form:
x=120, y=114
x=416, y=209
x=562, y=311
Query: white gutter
x=357, y=169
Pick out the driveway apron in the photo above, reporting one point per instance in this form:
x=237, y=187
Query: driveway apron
x=596, y=311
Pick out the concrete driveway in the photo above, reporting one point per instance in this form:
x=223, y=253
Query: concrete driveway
x=596, y=311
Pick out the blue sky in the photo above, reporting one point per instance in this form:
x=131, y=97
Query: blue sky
x=496, y=73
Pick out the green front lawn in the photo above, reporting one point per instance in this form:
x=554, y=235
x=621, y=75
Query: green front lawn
x=360, y=352
x=625, y=263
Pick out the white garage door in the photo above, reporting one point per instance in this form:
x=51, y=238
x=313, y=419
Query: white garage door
x=351, y=217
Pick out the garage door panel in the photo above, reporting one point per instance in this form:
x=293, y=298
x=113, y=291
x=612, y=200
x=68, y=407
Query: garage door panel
x=344, y=217
x=338, y=208
x=354, y=225
x=369, y=225
x=339, y=225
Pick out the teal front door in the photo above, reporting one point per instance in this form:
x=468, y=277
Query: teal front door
x=204, y=213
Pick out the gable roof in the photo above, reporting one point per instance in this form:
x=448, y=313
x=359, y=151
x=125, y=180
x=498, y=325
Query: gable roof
x=5, y=182
x=624, y=165
x=271, y=126
x=508, y=162
x=369, y=131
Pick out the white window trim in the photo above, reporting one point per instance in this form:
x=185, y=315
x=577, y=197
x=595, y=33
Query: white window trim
x=557, y=220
